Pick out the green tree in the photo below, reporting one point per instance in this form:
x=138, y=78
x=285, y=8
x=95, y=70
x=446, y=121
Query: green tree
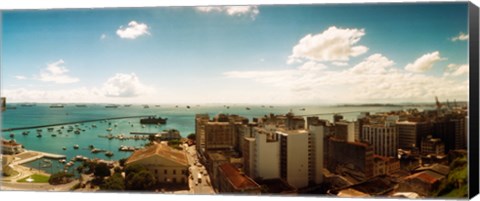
x=114, y=183
x=141, y=181
x=192, y=136
x=60, y=178
x=101, y=170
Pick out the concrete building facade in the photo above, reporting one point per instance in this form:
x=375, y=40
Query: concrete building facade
x=294, y=160
x=383, y=138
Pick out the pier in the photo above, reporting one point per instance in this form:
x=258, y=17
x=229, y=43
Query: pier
x=29, y=156
x=75, y=122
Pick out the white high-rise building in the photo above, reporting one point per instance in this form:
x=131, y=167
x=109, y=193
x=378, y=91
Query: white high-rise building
x=294, y=163
x=317, y=135
x=266, y=155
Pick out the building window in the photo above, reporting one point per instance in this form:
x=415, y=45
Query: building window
x=174, y=172
x=174, y=180
x=165, y=171
x=156, y=171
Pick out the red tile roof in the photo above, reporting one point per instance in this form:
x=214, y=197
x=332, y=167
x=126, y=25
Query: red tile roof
x=238, y=180
x=161, y=150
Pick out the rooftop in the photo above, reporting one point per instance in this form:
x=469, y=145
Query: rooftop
x=426, y=176
x=9, y=143
x=238, y=180
x=162, y=150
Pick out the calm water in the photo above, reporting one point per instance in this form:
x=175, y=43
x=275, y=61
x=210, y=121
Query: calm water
x=179, y=118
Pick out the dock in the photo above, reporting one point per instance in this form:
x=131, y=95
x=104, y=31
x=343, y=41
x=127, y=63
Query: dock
x=75, y=122
x=28, y=156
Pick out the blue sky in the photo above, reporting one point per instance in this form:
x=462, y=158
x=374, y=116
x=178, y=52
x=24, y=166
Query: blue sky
x=318, y=54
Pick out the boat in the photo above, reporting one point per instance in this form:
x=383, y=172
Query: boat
x=12, y=135
x=94, y=126
x=228, y=107
x=62, y=161
x=302, y=109
x=94, y=150
x=39, y=130
x=39, y=135
x=77, y=132
x=64, y=148
x=75, y=146
x=127, y=105
x=247, y=108
x=109, y=154
x=81, y=105
x=146, y=106
x=56, y=106
x=91, y=146
x=54, y=135
x=109, y=129
x=50, y=129
x=25, y=132
x=80, y=158
x=153, y=120
x=69, y=164
x=188, y=106
x=111, y=106
x=157, y=105
x=143, y=126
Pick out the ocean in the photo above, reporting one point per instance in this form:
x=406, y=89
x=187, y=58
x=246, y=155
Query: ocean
x=180, y=118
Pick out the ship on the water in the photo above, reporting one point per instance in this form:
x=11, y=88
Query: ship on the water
x=81, y=105
x=56, y=106
x=111, y=106
x=153, y=120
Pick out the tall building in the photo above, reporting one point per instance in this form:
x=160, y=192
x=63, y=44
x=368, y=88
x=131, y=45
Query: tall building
x=219, y=135
x=248, y=155
x=288, y=121
x=384, y=139
x=432, y=146
x=410, y=134
x=200, y=121
x=317, y=144
x=354, y=158
x=294, y=157
x=452, y=130
x=266, y=155
x=345, y=130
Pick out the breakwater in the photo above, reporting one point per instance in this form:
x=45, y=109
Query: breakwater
x=75, y=122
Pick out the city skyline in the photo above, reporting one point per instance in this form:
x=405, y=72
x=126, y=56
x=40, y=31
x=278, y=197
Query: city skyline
x=303, y=54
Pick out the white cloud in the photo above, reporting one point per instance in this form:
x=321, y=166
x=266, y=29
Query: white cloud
x=424, y=63
x=339, y=63
x=125, y=85
x=103, y=36
x=133, y=30
x=251, y=11
x=56, y=72
x=20, y=77
x=375, y=79
x=456, y=70
x=119, y=88
x=375, y=64
x=461, y=36
x=333, y=44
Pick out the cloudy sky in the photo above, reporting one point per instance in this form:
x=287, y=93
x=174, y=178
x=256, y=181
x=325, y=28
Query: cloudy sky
x=300, y=54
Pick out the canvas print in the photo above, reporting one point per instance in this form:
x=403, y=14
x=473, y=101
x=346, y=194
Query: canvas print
x=347, y=100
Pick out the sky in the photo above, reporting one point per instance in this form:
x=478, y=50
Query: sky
x=268, y=54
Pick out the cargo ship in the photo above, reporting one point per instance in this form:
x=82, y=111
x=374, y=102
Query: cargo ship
x=153, y=120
